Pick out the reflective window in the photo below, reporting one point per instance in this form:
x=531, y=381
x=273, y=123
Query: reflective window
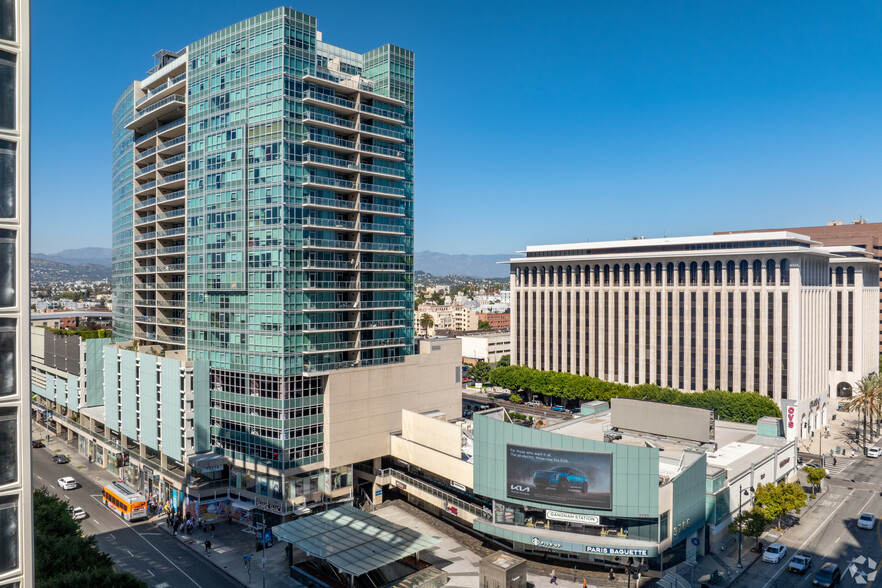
x=7, y=90
x=8, y=533
x=7, y=268
x=7, y=178
x=7, y=357
x=7, y=20
x=8, y=446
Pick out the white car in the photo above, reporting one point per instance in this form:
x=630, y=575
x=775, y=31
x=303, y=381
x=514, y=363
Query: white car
x=774, y=553
x=77, y=513
x=67, y=483
x=874, y=452
x=866, y=521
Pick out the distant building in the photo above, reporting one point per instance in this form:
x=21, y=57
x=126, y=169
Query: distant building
x=487, y=346
x=741, y=312
x=497, y=320
x=859, y=233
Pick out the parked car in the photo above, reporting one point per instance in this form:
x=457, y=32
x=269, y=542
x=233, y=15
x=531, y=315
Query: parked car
x=774, y=553
x=829, y=575
x=874, y=451
x=866, y=521
x=37, y=444
x=60, y=458
x=562, y=479
x=67, y=483
x=799, y=563
x=77, y=513
x=558, y=409
x=533, y=403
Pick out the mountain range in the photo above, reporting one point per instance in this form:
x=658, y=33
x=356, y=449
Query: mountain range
x=431, y=262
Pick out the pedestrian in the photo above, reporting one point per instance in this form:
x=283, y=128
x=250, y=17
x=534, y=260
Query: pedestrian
x=612, y=576
x=207, y=546
x=585, y=583
x=553, y=577
x=212, y=530
x=834, y=461
x=852, y=454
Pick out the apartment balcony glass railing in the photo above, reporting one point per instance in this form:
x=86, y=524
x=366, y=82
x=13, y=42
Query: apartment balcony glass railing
x=145, y=220
x=317, y=117
x=174, y=98
x=382, y=208
x=145, y=187
x=160, y=88
x=170, y=232
x=145, y=170
x=385, y=112
x=368, y=285
x=332, y=182
x=333, y=346
x=327, y=99
x=160, y=130
x=145, y=253
x=319, y=138
x=382, y=342
x=145, y=286
x=170, y=196
x=145, y=203
x=323, y=305
x=382, y=169
x=328, y=264
x=377, y=265
x=394, y=135
x=145, y=236
x=175, y=267
x=171, y=303
x=146, y=269
x=320, y=368
x=384, y=190
x=380, y=228
x=329, y=202
x=179, y=322
x=328, y=222
x=333, y=161
x=397, y=247
x=383, y=151
x=366, y=324
x=375, y=304
x=331, y=326
x=172, y=178
x=170, y=338
x=160, y=147
x=343, y=79
x=328, y=243
x=171, y=160
x=171, y=214
x=170, y=250
x=328, y=285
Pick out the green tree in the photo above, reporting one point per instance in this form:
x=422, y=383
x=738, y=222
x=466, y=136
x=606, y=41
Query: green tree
x=63, y=557
x=438, y=298
x=504, y=361
x=867, y=401
x=427, y=321
x=776, y=500
x=480, y=372
x=814, y=476
x=515, y=399
x=750, y=523
x=483, y=325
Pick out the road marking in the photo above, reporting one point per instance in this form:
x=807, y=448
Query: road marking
x=95, y=521
x=151, y=573
x=112, y=537
x=810, y=537
x=129, y=552
x=126, y=523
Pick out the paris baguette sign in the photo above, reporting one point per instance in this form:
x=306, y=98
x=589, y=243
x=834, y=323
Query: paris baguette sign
x=556, y=515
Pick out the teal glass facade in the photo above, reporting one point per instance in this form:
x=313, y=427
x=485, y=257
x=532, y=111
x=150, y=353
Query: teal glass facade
x=121, y=240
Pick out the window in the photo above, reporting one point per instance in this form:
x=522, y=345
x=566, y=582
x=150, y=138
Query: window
x=7, y=20
x=7, y=178
x=7, y=268
x=7, y=89
x=8, y=446
x=7, y=357
x=8, y=534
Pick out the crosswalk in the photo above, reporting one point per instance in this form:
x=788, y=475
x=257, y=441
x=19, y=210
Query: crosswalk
x=842, y=464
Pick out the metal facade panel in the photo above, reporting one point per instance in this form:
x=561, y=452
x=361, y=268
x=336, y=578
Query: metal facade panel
x=149, y=397
x=111, y=392
x=73, y=393
x=201, y=407
x=95, y=371
x=129, y=394
x=171, y=427
x=659, y=418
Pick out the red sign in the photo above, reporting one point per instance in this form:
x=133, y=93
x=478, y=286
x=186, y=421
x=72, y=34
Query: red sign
x=791, y=412
x=784, y=462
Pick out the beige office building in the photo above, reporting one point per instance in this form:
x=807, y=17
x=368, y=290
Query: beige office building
x=744, y=312
x=16, y=511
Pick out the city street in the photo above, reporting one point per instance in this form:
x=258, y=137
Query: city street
x=140, y=548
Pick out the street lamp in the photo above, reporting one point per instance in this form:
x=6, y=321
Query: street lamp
x=741, y=522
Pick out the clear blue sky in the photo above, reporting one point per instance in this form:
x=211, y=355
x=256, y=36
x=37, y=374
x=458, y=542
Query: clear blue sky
x=536, y=122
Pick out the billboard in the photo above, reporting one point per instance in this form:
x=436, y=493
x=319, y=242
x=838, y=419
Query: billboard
x=658, y=418
x=556, y=476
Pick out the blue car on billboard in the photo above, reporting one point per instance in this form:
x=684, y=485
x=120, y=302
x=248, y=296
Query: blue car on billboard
x=561, y=479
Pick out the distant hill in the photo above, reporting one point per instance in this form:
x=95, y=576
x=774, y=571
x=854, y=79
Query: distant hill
x=91, y=255
x=476, y=266
x=45, y=271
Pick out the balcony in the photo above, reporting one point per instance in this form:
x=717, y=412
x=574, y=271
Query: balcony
x=334, y=142
x=366, y=285
x=324, y=306
x=330, y=326
x=332, y=102
x=337, y=184
x=396, y=154
x=145, y=318
x=164, y=128
x=330, y=162
x=171, y=214
x=145, y=237
x=382, y=304
x=328, y=244
x=382, y=170
x=382, y=190
x=170, y=232
x=145, y=269
x=145, y=187
x=145, y=219
x=382, y=209
x=145, y=203
x=170, y=250
x=387, y=114
x=170, y=196
x=177, y=267
x=145, y=253
x=394, y=247
x=382, y=133
x=384, y=324
x=393, y=342
x=334, y=123
x=176, y=322
x=174, y=178
x=177, y=339
x=145, y=286
x=380, y=266
x=323, y=368
x=329, y=203
x=171, y=161
x=381, y=228
x=324, y=347
x=163, y=108
x=171, y=303
x=159, y=89
x=329, y=285
x=162, y=147
x=329, y=264
x=329, y=223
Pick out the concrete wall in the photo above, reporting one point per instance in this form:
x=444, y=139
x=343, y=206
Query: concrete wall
x=438, y=463
x=363, y=406
x=430, y=432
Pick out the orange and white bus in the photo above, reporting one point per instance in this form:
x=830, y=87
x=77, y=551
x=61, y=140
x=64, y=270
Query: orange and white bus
x=125, y=500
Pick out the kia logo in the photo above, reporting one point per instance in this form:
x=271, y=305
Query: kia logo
x=518, y=488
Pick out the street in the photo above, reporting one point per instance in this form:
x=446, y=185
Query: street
x=828, y=532
x=139, y=548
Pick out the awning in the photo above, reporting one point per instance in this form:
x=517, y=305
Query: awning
x=352, y=540
x=242, y=505
x=207, y=462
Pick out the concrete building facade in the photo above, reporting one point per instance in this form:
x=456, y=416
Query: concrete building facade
x=16, y=502
x=747, y=312
x=487, y=346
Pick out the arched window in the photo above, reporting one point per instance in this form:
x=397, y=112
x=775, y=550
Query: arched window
x=517, y=273
x=569, y=275
x=596, y=275
x=838, y=276
x=542, y=276
x=730, y=272
x=742, y=269
x=849, y=276
x=559, y=275
x=535, y=273
x=578, y=275
x=681, y=274
x=705, y=274
x=693, y=274
x=785, y=271
x=757, y=271
x=616, y=274
x=606, y=275
x=770, y=272
x=626, y=273
x=718, y=273
x=670, y=272
x=647, y=271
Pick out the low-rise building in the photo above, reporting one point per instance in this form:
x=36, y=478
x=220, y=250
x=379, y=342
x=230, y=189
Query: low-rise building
x=496, y=320
x=487, y=346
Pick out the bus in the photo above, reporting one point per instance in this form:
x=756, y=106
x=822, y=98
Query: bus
x=125, y=500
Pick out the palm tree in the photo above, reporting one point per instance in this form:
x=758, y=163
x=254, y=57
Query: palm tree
x=427, y=321
x=867, y=401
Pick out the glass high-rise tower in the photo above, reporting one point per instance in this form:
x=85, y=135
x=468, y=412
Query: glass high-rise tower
x=263, y=221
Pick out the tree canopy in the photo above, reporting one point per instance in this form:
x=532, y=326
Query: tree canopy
x=741, y=407
x=776, y=500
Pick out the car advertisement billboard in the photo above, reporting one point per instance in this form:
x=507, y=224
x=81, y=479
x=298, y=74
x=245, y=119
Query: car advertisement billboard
x=555, y=476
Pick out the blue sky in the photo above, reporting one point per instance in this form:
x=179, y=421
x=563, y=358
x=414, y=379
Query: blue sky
x=536, y=122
